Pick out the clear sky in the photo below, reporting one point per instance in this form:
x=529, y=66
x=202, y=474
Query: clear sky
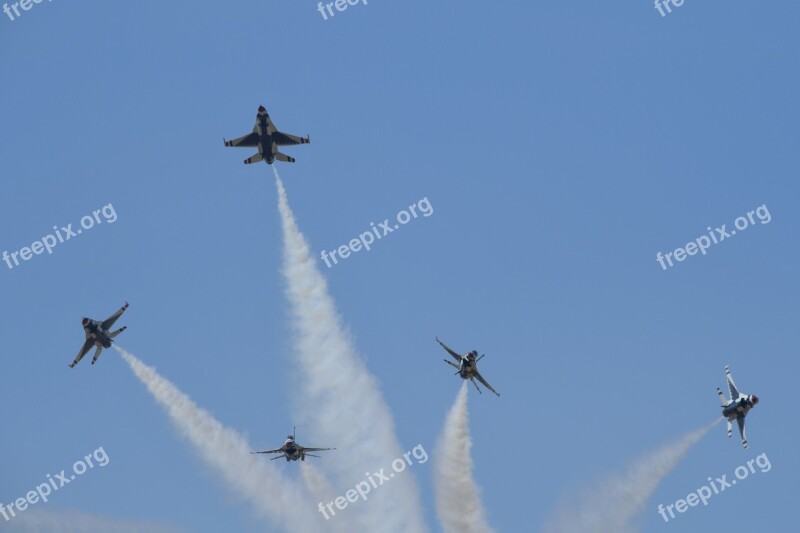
x=561, y=145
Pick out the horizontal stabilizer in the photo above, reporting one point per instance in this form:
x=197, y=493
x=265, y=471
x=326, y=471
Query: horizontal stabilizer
x=283, y=157
x=254, y=159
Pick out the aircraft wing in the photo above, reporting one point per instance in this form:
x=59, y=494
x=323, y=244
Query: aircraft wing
x=251, y=139
x=315, y=449
x=731, y=385
x=286, y=139
x=108, y=322
x=740, y=420
x=279, y=450
x=485, y=383
x=456, y=356
x=84, y=350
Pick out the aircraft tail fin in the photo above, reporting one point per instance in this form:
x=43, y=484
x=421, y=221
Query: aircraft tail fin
x=254, y=159
x=283, y=157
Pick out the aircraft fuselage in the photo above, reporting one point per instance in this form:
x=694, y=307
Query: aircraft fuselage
x=467, y=368
x=736, y=408
x=265, y=142
x=292, y=452
x=98, y=334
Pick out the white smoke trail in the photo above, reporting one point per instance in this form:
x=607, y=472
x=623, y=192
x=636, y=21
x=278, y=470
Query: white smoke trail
x=458, y=499
x=616, y=504
x=340, y=397
x=271, y=495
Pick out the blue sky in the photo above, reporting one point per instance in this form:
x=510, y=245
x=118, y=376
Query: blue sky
x=560, y=146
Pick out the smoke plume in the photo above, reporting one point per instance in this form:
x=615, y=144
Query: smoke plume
x=458, y=498
x=271, y=495
x=616, y=503
x=340, y=398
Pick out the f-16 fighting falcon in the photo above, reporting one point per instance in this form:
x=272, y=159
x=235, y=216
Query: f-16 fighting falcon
x=293, y=451
x=267, y=138
x=467, y=367
x=737, y=407
x=97, y=334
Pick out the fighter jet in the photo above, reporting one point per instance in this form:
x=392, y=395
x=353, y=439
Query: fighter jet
x=467, y=367
x=293, y=451
x=97, y=334
x=267, y=138
x=737, y=407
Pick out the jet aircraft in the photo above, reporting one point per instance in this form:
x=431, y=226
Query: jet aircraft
x=467, y=366
x=97, y=334
x=737, y=407
x=292, y=451
x=267, y=138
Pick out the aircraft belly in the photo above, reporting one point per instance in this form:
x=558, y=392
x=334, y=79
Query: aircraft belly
x=731, y=411
x=104, y=340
